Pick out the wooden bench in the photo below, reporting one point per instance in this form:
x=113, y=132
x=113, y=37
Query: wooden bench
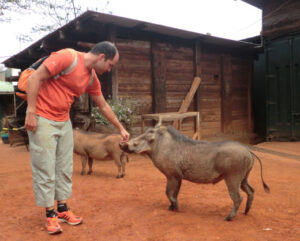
x=173, y=116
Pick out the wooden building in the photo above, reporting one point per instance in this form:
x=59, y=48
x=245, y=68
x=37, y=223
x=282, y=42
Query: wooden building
x=157, y=66
x=276, y=84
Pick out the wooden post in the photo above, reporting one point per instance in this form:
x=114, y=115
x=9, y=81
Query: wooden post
x=179, y=124
x=197, y=70
x=114, y=72
x=226, y=108
x=198, y=126
x=143, y=124
x=158, y=77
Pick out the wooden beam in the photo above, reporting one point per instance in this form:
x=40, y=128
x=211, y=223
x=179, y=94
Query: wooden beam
x=61, y=35
x=30, y=52
x=173, y=116
x=78, y=26
x=188, y=99
x=158, y=77
x=86, y=44
x=281, y=30
x=190, y=95
x=92, y=28
x=139, y=27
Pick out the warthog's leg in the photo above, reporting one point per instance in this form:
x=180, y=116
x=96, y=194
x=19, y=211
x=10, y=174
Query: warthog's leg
x=83, y=163
x=172, y=190
x=90, y=165
x=245, y=186
x=120, y=165
x=123, y=159
x=233, y=184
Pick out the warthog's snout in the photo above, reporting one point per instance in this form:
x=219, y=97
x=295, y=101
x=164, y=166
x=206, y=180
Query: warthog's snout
x=125, y=147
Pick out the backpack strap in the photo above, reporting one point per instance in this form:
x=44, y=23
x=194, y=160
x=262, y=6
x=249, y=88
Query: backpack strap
x=70, y=67
x=92, y=79
x=37, y=64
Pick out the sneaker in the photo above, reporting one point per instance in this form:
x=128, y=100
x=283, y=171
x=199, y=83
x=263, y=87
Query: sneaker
x=69, y=217
x=53, y=226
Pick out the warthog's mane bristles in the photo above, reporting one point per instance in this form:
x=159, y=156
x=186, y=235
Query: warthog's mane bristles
x=177, y=136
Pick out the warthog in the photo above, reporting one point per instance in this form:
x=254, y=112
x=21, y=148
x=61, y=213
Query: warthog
x=179, y=157
x=90, y=145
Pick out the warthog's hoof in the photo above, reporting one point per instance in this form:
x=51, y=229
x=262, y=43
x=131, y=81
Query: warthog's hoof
x=246, y=211
x=228, y=218
x=89, y=172
x=120, y=176
x=82, y=173
x=173, y=207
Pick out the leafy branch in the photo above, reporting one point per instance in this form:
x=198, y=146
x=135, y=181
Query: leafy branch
x=53, y=13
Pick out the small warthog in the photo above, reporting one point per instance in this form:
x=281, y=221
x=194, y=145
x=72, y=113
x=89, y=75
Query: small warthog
x=90, y=145
x=179, y=157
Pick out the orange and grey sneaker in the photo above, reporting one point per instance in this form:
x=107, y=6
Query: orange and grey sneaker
x=69, y=217
x=53, y=226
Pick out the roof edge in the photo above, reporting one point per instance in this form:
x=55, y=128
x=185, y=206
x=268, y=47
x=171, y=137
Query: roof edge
x=255, y=3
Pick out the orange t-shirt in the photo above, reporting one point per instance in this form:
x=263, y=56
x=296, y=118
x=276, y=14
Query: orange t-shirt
x=56, y=96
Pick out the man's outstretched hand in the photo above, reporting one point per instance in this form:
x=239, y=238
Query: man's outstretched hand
x=125, y=135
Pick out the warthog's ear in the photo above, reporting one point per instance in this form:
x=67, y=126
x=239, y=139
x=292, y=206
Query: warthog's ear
x=150, y=135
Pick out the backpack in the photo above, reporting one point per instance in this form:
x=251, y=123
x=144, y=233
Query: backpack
x=23, y=79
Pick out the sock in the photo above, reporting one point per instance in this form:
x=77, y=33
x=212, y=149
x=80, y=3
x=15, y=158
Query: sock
x=50, y=213
x=62, y=207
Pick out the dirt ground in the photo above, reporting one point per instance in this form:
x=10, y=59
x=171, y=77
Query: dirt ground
x=136, y=207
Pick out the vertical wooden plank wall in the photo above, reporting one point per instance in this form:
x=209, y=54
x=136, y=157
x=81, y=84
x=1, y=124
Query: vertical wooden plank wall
x=280, y=17
x=210, y=92
x=158, y=70
x=134, y=72
x=226, y=93
x=179, y=73
x=241, y=101
x=179, y=78
x=158, y=75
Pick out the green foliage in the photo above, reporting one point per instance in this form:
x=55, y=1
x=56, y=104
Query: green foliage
x=57, y=12
x=125, y=109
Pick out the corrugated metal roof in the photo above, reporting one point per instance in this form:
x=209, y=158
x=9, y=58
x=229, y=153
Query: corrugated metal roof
x=161, y=29
x=6, y=87
x=28, y=55
x=255, y=3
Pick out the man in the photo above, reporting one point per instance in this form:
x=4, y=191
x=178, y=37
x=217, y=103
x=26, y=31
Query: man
x=50, y=95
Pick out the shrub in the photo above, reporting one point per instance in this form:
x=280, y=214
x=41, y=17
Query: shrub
x=125, y=109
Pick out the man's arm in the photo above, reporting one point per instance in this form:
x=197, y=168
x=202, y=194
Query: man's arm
x=110, y=115
x=34, y=83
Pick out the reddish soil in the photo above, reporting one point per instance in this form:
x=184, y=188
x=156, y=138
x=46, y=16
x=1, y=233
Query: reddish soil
x=136, y=207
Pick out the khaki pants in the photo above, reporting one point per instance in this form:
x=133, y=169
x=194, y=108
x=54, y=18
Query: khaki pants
x=51, y=152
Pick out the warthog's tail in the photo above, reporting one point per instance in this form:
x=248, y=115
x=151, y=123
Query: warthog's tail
x=124, y=157
x=266, y=188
